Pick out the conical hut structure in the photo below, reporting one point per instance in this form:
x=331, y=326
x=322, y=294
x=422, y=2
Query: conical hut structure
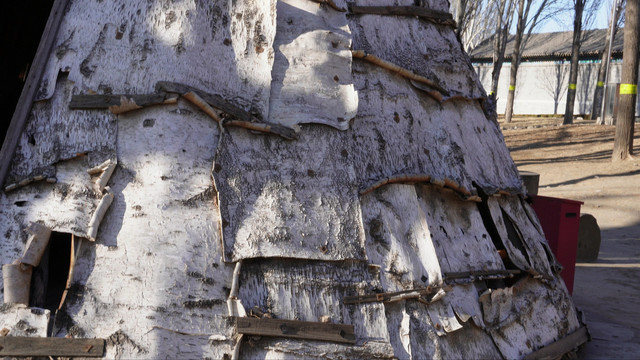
x=267, y=179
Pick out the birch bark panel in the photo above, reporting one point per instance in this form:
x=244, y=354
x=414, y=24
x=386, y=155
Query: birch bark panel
x=457, y=231
x=524, y=246
x=424, y=48
x=54, y=133
x=311, y=291
x=66, y=206
x=162, y=236
x=311, y=76
x=529, y=315
x=272, y=348
x=433, y=142
x=532, y=237
x=469, y=342
x=399, y=240
x=127, y=46
x=299, y=199
x=23, y=321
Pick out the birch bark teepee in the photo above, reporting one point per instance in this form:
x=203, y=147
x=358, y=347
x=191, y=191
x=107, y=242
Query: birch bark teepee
x=330, y=183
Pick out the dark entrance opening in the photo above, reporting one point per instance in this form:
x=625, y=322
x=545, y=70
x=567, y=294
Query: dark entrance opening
x=50, y=278
x=21, y=26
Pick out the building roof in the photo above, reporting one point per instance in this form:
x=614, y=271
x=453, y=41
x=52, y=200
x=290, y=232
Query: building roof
x=555, y=45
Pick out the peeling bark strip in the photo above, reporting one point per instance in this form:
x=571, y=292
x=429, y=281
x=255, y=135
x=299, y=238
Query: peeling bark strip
x=97, y=216
x=28, y=181
x=437, y=17
x=17, y=281
x=557, y=349
x=119, y=104
x=396, y=296
x=296, y=329
x=33, y=346
x=331, y=4
x=438, y=95
x=36, y=244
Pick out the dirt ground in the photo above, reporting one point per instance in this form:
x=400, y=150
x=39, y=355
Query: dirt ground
x=574, y=162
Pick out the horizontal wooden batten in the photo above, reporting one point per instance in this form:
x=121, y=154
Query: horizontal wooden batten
x=34, y=346
x=557, y=349
x=296, y=329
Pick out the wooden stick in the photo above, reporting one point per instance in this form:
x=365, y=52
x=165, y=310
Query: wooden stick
x=100, y=168
x=202, y=105
x=121, y=103
x=331, y=4
x=438, y=95
x=21, y=346
x=76, y=243
x=283, y=131
x=438, y=17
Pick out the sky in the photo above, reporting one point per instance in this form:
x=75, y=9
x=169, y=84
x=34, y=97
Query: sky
x=601, y=20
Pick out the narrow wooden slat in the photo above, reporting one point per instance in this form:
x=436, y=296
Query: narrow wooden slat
x=296, y=329
x=33, y=346
x=19, y=119
x=105, y=101
x=562, y=346
x=480, y=273
x=428, y=14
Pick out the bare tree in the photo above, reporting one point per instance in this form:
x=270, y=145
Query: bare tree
x=579, y=7
x=623, y=141
x=615, y=22
x=554, y=81
x=543, y=10
x=475, y=21
x=504, y=14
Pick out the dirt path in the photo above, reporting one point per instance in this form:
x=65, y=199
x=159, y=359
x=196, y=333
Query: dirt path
x=574, y=163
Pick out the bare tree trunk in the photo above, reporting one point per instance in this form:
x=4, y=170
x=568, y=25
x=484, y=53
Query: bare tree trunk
x=623, y=142
x=575, y=54
x=505, y=10
x=596, y=111
x=515, y=57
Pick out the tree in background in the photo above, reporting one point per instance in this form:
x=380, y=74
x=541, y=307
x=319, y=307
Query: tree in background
x=615, y=22
x=579, y=7
x=623, y=141
x=554, y=81
x=474, y=19
x=504, y=15
x=544, y=9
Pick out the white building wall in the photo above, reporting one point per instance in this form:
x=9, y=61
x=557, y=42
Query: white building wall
x=542, y=86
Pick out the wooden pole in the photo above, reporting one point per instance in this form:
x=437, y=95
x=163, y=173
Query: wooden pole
x=623, y=141
x=20, y=116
